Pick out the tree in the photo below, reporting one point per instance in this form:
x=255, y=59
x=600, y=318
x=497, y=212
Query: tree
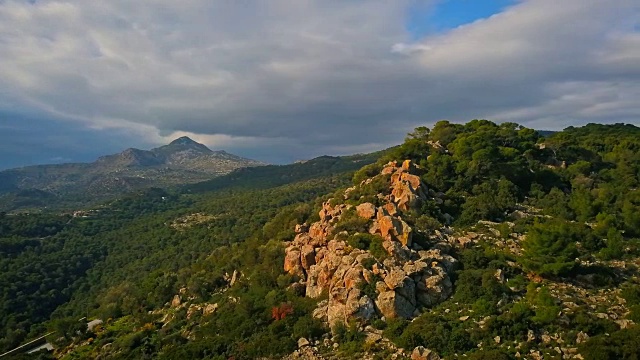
x=550, y=248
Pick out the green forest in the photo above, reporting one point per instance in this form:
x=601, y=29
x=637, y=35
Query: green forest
x=555, y=215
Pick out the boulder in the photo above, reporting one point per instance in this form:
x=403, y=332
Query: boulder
x=308, y=256
x=390, y=209
x=177, y=300
x=395, y=279
x=406, y=165
x=421, y=353
x=387, y=226
x=318, y=231
x=300, y=228
x=209, y=309
x=292, y=262
x=393, y=305
x=366, y=210
x=581, y=337
x=302, y=342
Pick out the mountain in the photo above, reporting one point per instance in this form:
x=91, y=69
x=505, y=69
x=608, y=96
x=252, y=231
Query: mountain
x=183, y=161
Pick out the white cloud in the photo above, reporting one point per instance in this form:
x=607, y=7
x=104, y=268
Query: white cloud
x=297, y=78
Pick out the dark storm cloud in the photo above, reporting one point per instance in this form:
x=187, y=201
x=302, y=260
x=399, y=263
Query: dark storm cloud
x=30, y=139
x=291, y=79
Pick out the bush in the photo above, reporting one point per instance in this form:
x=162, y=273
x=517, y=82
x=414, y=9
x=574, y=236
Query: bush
x=368, y=263
x=377, y=250
x=369, y=192
x=484, y=307
x=513, y=323
x=634, y=315
x=623, y=344
x=473, y=285
x=545, y=306
x=307, y=327
x=360, y=241
x=488, y=355
x=436, y=333
x=367, y=171
x=631, y=293
x=394, y=328
x=369, y=288
x=550, y=249
x=351, y=222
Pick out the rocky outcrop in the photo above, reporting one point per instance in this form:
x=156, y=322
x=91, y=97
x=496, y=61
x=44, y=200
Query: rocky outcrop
x=420, y=353
x=358, y=285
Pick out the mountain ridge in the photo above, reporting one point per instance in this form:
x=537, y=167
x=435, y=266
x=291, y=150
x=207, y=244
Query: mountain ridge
x=182, y=161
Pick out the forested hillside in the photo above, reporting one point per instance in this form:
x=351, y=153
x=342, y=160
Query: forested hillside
x=48, y=260
x=529, y=246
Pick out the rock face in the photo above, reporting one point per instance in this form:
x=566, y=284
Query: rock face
x=358, y=285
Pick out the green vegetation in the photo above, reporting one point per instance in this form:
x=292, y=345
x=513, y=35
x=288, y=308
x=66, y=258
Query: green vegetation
x=126, y=258
x=558, y=215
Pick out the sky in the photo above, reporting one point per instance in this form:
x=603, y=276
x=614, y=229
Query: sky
x=285, y=80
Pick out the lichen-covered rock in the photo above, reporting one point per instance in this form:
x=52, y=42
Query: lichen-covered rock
x=366, y=210
x=393, y=305
x=292, y=263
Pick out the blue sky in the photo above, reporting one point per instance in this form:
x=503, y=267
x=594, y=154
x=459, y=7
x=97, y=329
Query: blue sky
x=285, y=80
x=425, y=19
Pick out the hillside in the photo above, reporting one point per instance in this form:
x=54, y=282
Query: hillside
x=474, y=241
x=183, y=161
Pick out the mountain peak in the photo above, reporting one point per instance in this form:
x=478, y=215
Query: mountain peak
x=184, y=140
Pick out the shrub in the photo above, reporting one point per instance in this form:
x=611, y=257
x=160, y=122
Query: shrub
x=623, y=344
x=394, y=328
x=369, y=192
x=281, y=312
x=436, y=333
x=360, y=241
x=545, y=307
x=488, y=355
x=631, y=293
x=377, y=250
x=550, y=249
x=369, y=288
x=351, y=222
x=367, y=171
x=368, y=263
x=307, y=327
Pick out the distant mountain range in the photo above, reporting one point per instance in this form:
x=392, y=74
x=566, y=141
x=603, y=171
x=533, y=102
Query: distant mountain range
x=183, y=161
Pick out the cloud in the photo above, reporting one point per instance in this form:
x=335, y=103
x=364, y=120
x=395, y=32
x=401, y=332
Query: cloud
x=290, y=79
x=409, y=49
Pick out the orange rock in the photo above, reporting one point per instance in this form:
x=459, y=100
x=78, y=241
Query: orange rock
x=316, y=231
x=414, y=180
x=395, y=178
x=390, y=209
x=353, y=277
x=386, y=226
x=388, y=170
x=366, y=210
x=308, y=256
x=406, y=165
x=292, y=260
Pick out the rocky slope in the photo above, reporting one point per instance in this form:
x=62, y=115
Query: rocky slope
x=183, y=161
x=397, y=282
